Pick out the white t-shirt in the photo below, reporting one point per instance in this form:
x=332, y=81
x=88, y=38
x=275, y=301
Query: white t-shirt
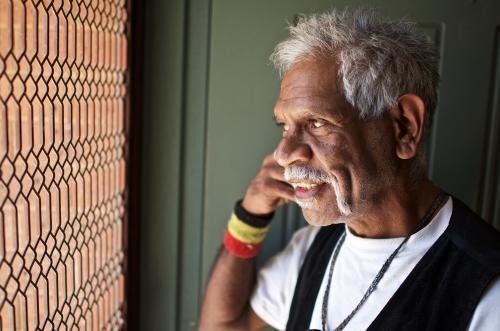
x=358, y=262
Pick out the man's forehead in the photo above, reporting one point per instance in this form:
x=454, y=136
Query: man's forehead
x=311, y=103
x=310, y=77
x=311, y=87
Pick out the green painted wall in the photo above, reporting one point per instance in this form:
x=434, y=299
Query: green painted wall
x=162, y=136
x=208, y=98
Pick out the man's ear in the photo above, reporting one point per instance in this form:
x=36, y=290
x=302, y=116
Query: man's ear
x=408, y=120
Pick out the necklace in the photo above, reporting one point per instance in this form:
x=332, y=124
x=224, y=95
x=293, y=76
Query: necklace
x=436, y=204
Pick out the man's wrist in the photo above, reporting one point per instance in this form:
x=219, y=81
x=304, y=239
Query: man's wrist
x=257, y=209
x=261, y=220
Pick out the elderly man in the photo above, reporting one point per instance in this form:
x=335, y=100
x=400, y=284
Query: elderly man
x=386, y=248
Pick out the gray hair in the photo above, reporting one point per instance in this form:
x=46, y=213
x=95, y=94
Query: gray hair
x=379, y=60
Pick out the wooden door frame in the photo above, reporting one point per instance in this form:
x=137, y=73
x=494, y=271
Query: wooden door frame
x=133, y=126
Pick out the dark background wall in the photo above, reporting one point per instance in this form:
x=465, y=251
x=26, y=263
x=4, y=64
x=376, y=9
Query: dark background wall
x=208, y=95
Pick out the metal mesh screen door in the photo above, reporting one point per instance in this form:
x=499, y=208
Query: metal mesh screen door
x=63, y=101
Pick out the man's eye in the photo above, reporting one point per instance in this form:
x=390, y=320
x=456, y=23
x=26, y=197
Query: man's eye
x=317, y=123
x=283, y=126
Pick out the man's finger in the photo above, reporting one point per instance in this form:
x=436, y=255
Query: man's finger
x=276, y=172
x=283, y=190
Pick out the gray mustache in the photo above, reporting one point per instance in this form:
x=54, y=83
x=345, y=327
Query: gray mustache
x=306, y=173
x=314, y=175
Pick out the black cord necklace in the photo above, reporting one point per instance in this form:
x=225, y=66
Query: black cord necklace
x=436, y=204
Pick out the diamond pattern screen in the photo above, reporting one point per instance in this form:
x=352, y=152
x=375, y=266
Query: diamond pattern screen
x=63, y=140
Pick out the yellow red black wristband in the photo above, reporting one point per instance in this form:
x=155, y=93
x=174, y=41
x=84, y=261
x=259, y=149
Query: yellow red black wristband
x=258, y=221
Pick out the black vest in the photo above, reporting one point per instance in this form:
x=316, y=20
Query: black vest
x=440, y=293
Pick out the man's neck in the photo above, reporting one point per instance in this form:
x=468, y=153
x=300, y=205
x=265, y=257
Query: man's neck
x=397, y=214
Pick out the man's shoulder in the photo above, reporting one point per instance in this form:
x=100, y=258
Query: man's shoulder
x=304, y=237
x=473, y=235
x=295, y=250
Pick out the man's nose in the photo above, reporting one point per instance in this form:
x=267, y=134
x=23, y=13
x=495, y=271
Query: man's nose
x=292, y=150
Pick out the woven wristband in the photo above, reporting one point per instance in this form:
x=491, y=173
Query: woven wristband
x=245, y=232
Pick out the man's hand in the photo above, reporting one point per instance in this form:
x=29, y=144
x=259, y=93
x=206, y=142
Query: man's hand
x=227, y=299
x=268, y=189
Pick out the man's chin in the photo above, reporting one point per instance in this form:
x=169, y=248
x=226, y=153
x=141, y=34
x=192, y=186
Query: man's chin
x=317, y=218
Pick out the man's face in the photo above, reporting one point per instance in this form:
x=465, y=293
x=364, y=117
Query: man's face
x=338, y=164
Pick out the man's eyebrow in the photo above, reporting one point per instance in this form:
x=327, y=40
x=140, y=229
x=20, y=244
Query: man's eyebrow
x=307, y=114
